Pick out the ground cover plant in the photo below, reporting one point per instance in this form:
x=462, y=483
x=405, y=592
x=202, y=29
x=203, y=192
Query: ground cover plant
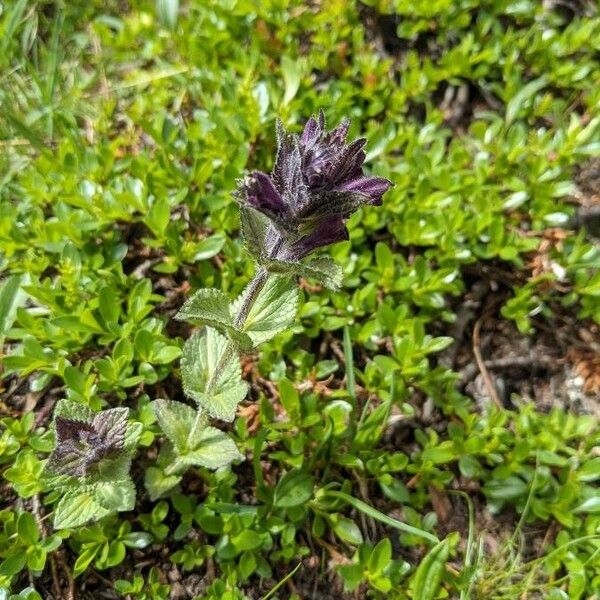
x=403, y=400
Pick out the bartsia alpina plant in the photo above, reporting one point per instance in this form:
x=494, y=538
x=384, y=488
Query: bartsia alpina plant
x=316, y=183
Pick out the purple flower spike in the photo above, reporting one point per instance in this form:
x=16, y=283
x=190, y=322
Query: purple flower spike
x=316, y=183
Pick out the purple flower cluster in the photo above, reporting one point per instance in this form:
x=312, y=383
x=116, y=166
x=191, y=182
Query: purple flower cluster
x=317, y=182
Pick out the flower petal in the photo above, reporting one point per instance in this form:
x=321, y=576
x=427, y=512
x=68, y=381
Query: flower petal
x=312, y=132
x=337, y=136
x=373, y=187
x=328, y=231
x=259, y=192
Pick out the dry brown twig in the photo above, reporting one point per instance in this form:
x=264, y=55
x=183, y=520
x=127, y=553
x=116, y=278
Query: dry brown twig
x=487, y=378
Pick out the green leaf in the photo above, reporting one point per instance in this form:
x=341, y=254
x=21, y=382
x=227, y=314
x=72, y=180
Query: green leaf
x=293, y=489
x=381, y=556
x=210, y=306
x=215, y=450
x=167, y=11
x=379, y=516
x=75, y=509
x=13, y=564
x=346, y=529
x=589, y=505
x=511, y=488
x=525, y=93
x=208, y=358
x=158, y=483
x=11, y=297
x=115, y=496
x=175, y=419
x=253, y=226
x=590, y=471
x=428, y=576
x=325, y=270
x=273, y=310
x=291, y=71
x=27, y=529
x=209, y=247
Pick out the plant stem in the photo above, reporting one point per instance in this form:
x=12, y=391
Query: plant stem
x=250, y=295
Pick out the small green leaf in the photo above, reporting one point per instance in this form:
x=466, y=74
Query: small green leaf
x=209, y=247
x=381, y=556
x=291, y=70
x=526, y=92
x=12, y=565
x=426, y=581
x=293, y=489
x=589, y=505
x=27, y=529
x=11, y=297
x=590, y=471
x=158, y=483
x=272, y=312
x=346, y=529
x=208, y=359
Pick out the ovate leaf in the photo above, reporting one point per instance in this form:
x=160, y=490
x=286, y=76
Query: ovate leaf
x=75, y=509
x=215, y=450
x=525, y=93
x=347, y=529
x=273, y=310
x=324, y=270
x=294, y=488
x=253, y=225
x=115, y=496
x=209, y=306
x=176, y=420
x=158, y=483
x=212, y=375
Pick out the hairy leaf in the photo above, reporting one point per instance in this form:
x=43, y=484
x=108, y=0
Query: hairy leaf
x=176, y=420
x=209, y=306
x=111, y=426
x=75, y=509
x=215, y=450
x=273, y=311
x=323, y=269
x=158, y=483
x=254, y=227
x=212, y=375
